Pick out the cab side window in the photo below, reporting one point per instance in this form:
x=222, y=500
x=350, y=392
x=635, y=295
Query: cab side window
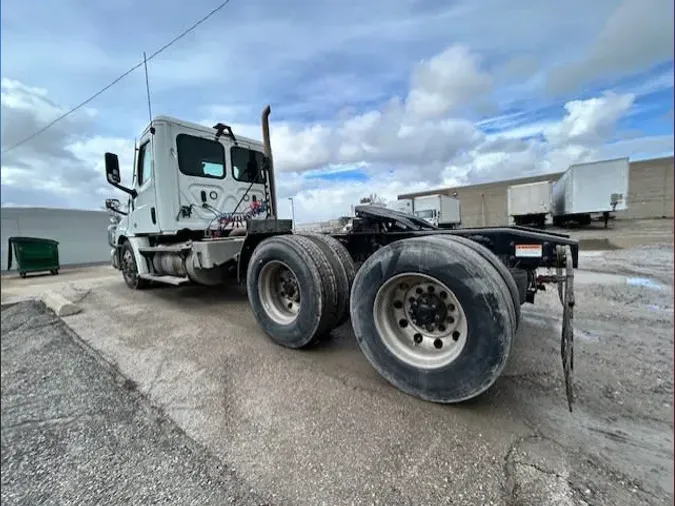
x=144, y=164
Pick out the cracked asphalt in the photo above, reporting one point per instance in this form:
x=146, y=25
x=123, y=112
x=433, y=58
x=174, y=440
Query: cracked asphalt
x=76, y=432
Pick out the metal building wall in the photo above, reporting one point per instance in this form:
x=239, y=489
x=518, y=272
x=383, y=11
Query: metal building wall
x=650, y=189
x=82, y=235
x=650, y=194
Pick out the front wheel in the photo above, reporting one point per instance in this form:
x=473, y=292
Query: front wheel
x=434, y=318
x=129, y=268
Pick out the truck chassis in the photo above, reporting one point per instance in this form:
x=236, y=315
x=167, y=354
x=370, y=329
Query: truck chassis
x=434, y=311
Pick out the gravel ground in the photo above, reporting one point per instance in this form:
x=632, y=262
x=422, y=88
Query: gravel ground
x=75, y=432
x=321, y=427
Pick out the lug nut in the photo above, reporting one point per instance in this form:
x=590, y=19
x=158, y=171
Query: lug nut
x=437, y=317
x=417, y=338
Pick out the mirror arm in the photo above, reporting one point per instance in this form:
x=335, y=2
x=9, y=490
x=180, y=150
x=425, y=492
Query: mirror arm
x=130, y=191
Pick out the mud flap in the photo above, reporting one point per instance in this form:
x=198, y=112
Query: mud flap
x=564, y=279
x=566, y=293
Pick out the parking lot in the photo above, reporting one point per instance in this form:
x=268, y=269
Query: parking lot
x=320, y=426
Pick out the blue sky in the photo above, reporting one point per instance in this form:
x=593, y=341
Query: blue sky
x=367, y=97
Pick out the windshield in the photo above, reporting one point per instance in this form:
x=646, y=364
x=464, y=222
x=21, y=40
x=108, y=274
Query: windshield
x=247, y=165
x=426, y=214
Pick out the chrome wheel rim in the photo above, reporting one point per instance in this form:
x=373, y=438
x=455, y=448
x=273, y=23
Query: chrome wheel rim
x=420, y=320
x=279, y=292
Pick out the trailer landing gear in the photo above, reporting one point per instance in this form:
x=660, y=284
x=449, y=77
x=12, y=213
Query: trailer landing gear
x=564, y=278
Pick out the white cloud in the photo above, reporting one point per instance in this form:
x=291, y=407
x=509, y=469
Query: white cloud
x=448, y=80
x=636, y=36
x=64, y=162
x=591, y=121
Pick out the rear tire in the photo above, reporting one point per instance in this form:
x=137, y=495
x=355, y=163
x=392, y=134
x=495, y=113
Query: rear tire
x=292, y=290
x=497, y=264
x=343, y=265
x=447, y=369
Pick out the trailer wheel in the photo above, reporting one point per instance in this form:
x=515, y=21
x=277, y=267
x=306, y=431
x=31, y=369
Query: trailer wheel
x=129, y=268
x=292, y=290
x=343, y=265
x=433, y=317
x=494, y=260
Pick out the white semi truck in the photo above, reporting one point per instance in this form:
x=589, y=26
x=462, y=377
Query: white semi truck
x=434, y=311
x=529, y=204
x=591, y=189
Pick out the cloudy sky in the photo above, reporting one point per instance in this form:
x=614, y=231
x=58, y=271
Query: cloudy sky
x=367, y=96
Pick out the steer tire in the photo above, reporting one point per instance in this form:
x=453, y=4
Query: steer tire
x=496, y=263
x=477, y=287
x=343, y=265
x=130, y=269
x=316, y=283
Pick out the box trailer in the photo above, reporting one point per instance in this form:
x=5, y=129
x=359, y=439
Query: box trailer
x=441, y=211
x=530, y=203
x=584, y=190
x=402, y=205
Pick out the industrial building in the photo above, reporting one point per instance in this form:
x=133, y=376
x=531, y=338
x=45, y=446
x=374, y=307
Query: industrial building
x=82, y=235
x=650, y=194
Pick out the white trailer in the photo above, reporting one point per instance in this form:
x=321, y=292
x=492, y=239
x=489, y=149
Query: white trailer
x=440, y=210
x=402, y=205
x=597, y=188
x=529, y=203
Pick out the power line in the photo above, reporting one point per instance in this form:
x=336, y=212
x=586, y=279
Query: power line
x=118, y=79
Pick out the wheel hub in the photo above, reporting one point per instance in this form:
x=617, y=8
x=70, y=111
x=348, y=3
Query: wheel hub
x=279, y=291
x=420, y=320
x=427, y=309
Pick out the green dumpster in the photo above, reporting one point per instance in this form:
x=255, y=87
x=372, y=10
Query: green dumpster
x=33, y=254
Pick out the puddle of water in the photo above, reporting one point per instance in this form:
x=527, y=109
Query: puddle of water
x=659, y=309
x=645, y=282
x=590, y=277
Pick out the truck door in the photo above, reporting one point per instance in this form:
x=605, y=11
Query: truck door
x=143, y=218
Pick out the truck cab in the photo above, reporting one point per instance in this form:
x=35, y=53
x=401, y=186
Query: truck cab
x=429, y=215
x=191, y=183
x=196, y=173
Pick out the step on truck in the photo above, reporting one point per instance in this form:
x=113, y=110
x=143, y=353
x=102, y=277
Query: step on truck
x=434, y=311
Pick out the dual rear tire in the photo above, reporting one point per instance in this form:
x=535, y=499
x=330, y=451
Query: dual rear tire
x=434, y=315
x=298, y=287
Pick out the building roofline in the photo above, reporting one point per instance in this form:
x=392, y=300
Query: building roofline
x=540, y=177
x=447, y=189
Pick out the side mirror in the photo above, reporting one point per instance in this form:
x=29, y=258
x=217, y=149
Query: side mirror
x=112, y=174
x=112, y=168
x=112, y=204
